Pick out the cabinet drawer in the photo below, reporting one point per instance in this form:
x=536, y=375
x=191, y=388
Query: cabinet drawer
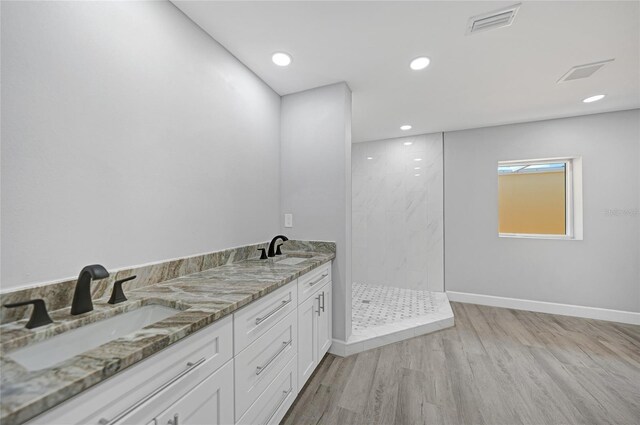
x=252, y=321
x=310, y=282
x=258, y=365
x=190, y=397
x=183, y=365
x=210, y=402
x=274, y=402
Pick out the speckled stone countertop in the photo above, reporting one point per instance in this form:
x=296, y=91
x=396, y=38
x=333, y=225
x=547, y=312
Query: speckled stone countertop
x=202, y=297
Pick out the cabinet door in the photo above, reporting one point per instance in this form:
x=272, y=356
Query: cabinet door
x=307, y=338
x=210, y=402
x=324, y=321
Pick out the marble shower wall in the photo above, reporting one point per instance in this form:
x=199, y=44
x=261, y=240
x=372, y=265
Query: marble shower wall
x=397, y=212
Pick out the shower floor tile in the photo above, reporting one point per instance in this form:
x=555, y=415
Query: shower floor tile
x=383, y=314
x=381, y=305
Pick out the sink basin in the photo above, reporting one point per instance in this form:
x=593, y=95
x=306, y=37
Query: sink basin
x=59, y=348
x=292, y=261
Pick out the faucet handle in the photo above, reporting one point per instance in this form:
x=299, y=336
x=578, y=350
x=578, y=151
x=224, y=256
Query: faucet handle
x=117, y=295
x=39, y=315
x=278, y=251
x=263, y=255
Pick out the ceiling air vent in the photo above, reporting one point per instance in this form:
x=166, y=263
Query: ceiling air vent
x=583, y=71
x=492, y=20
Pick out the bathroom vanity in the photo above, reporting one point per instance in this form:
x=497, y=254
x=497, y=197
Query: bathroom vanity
x=246, y=339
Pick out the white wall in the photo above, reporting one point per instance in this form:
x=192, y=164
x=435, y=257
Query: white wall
x=603, y=270
x=316, y=181
x=397, y=213
x=128, y=136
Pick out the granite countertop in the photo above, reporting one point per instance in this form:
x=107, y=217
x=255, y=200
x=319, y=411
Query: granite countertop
x=202, y=297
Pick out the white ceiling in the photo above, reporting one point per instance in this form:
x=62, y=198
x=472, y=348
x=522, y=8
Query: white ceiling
x=500, y=76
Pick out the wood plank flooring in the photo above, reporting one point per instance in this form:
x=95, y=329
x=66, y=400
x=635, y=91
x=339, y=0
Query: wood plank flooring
x=495, y=367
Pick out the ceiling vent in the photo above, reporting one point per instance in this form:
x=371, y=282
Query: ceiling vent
x=583, y=71
x=492, y=20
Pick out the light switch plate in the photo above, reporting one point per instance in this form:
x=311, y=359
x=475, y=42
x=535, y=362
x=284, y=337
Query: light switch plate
x=288, y=220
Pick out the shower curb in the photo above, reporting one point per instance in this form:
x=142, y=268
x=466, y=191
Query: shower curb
x=357, y=344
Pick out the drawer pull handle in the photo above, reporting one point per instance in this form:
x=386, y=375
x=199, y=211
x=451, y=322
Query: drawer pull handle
x=285, y=394
x=261, y=369
x=174, y=421
x=272, y=312
x=155, y=392
x=319, y=279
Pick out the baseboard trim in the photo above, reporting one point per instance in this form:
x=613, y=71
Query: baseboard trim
x=338, y=348
x=620, y=316
x=341, y=348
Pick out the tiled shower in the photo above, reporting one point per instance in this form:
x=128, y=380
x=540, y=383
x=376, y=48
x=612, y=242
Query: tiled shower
x=397, y=233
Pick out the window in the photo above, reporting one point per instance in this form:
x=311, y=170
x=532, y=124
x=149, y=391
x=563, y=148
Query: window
x=540, y=198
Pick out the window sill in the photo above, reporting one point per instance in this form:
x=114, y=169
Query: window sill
x=534, y=236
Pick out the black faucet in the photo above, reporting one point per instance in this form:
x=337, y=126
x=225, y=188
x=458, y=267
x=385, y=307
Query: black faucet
x=272, y=245
x=82, y=295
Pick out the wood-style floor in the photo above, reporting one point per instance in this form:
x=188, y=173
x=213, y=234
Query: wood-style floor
x=496, y=366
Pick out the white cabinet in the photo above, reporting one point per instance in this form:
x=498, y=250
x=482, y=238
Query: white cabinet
x=307, y=338
x=256, y=318
x=259, y=364
x=314, y=331
x=274, y=402
x=196, y=395
x=309, y=283
x=324, y=321
x=139, y=393
x=245, y=369
x=210, y=402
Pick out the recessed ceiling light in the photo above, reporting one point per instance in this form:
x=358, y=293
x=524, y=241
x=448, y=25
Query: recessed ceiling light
x=594, y=98
x=416, y=168
x=417, y=159
x=420, y=63
x=281, y=59
x=408, y=143
x=369, y=157
x=417, y=175
x=405, y=127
